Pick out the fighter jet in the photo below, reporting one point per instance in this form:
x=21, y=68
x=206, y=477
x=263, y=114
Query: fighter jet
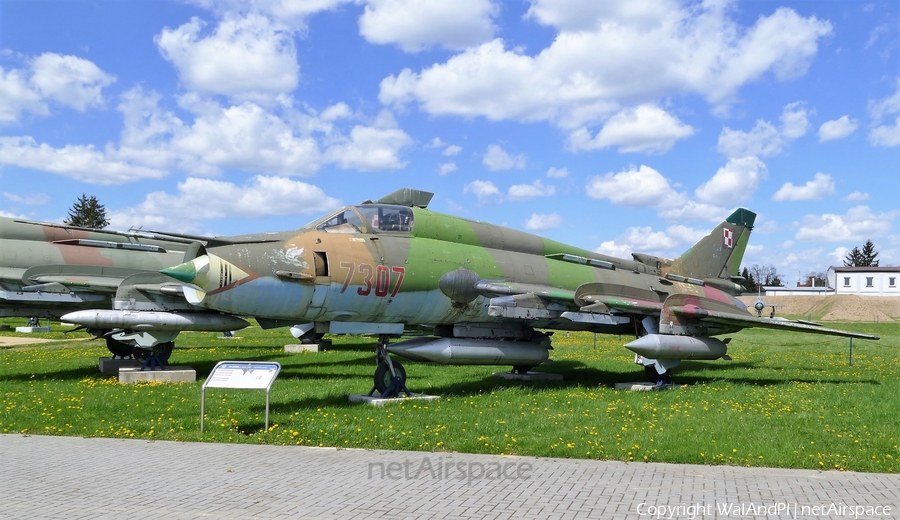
x=48, y=270
x=485, y=294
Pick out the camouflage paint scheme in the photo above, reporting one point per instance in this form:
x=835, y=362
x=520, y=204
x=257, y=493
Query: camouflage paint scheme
x=47, y=270
x=387, y=266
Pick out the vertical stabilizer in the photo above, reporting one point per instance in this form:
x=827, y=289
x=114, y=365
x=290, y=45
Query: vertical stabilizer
x=718, y=254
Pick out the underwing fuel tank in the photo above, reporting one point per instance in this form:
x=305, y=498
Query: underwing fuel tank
x=466, y=351
x=665, y=346
x=149, y=320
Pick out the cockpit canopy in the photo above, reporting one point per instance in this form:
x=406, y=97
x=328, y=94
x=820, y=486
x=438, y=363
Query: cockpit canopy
x=369, y=218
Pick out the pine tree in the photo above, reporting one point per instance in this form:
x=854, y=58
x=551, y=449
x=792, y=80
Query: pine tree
x=749, y=283
x=87, y=212
x=867, y=257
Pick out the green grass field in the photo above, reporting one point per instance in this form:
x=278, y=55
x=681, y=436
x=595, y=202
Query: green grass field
x=786, y=400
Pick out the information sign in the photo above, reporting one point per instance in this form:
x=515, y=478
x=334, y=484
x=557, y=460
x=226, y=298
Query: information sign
x=252, y=375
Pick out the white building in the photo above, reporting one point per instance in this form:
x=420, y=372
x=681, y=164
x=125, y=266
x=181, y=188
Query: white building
x=864, y=281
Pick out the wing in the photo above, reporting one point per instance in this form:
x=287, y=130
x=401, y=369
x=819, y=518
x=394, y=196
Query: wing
x=684, y=308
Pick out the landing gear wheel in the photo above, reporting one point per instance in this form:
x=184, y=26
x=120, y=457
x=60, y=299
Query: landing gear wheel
x=521, y=369
x=163, y=351
x=312, y=339
x=656, y=378
x=118, y=349
x=383, y=377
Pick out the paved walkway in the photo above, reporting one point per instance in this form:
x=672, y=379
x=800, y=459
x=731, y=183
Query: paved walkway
x=72, y=477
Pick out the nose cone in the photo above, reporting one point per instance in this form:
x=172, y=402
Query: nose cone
x=208, y=272
x=189, y=272
x=185, y=272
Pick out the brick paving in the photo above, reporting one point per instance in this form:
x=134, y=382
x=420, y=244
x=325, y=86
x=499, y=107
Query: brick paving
x=73, y=478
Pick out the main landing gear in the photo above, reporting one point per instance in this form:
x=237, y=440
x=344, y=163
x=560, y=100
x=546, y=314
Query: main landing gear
x=656, y=378
x=390, y=376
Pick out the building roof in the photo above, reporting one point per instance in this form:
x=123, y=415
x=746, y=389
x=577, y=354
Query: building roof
x=866, y=269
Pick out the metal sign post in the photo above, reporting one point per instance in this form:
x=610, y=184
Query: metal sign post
x=253, y=375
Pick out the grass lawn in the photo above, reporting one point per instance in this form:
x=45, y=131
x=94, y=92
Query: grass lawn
x=786, y=400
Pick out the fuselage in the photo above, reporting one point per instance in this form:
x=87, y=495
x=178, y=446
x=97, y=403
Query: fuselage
x=385, y=264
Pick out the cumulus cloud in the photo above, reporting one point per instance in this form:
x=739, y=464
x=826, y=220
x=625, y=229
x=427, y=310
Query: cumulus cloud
x=497, y=159
x=452, y=150
x=821, y=186
x=247, y=137
x=370, y=149
x=414, y=25
x=856, y=196
x=765, y=140
x=206, y=199
x=635, y=187
x=644, y=239
x=446, y=168
x=837, y=128
x=735, y=182
x=529, y=191
x=858, y=222
x=557, y=173
x=245, y=57
x=70, y=80
x=647, y=129
x=649, y=50
x=289, y=12
x=17, y=95
x=33, y=199
x=485, y=191
x=543, y=221
x=84, y=163
x=886, y=134
x=67, y=80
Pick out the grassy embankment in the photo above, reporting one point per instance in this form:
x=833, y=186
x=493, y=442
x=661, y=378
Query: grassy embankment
x=787, y=400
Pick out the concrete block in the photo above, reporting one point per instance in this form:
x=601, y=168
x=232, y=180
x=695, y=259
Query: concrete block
x=28, y=330
x=172, y=374
x=529, y=376
x=110, y=367
x=377, y=400
x=642, y=387
x=312, y=347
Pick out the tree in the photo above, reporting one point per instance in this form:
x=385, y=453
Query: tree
x=749, y=282
x=765, y=275
x=865, y=257
x=87, y=212
x=816, y=279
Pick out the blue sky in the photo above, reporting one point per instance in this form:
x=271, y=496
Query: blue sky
x=616, y=127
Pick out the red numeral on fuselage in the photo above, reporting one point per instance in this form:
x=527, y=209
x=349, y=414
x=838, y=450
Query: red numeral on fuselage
x=381, y=279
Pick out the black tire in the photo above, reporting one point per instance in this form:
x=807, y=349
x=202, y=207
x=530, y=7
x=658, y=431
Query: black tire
x=163, y=351
x=655, y=377
x=312, y=339
x=522, y=369
x=383, y=376
x=117, y=348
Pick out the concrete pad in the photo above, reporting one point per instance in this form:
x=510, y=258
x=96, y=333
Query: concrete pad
x=642, y=387
x=311, y=347
x=28, y=330
x=377, y=400
x=172, y=374
x=110, y=367
x=529, y=376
